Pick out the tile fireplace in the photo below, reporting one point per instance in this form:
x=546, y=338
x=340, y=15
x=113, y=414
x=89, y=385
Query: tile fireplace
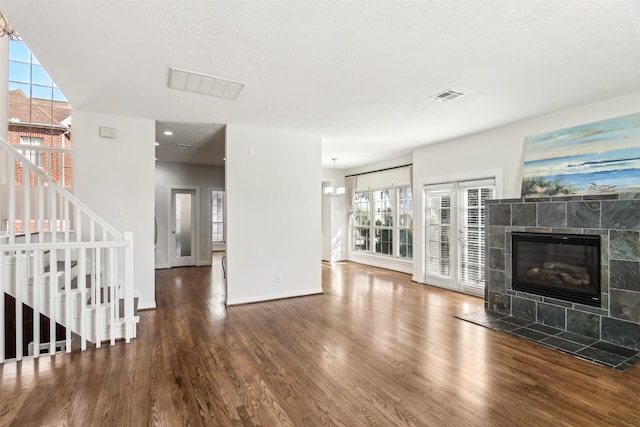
x=610, y=224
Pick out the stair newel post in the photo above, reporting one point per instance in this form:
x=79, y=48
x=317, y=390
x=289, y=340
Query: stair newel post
x=82, y=287
x=3, y=274
x=67, y=297
x=53, y=291
x=112, y=295
x=128, y=286
x=35, y=274
x=19, y=278
x=98, y=296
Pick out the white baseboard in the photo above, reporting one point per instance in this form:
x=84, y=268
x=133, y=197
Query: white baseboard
x=263, y=298
x=162, y=266
x=148, y=305
x=389, y=263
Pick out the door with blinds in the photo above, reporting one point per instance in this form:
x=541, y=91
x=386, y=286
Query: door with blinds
x=454, y=234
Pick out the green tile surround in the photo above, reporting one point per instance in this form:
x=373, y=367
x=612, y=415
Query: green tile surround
x=616, y=218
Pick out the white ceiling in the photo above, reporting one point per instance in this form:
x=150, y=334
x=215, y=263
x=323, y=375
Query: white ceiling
x=358, y=74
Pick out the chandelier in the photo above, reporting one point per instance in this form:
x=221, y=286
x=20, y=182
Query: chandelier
x=332, y=191
x=6, y=29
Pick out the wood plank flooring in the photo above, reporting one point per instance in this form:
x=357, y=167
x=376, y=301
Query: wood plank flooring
x=374, y=350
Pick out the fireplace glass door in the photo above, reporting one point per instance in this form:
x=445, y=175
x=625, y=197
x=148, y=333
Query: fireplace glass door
x=560, y=266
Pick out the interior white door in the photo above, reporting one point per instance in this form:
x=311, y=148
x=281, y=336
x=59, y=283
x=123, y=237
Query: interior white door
x=183, y=224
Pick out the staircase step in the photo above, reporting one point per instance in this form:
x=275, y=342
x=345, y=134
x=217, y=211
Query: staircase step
x=60, y=266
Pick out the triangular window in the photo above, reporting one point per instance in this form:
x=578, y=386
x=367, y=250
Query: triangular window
x=39, y=115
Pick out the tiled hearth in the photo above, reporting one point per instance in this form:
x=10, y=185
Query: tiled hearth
x=616, y=218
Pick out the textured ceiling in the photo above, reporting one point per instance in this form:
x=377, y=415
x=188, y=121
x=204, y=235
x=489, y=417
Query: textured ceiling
x=358, y=74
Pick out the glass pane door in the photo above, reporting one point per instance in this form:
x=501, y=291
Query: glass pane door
x=472, y=233
x=454, y=234
x=439, y=235
x=183, y=222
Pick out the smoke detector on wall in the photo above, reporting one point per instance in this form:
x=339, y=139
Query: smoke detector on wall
x=447, y=95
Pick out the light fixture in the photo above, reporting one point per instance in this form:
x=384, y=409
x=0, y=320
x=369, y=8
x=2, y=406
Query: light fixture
x=167, y=132
x=6, y=29
x=332, y=191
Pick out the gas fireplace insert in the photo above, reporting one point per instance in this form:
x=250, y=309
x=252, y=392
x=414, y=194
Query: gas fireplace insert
x=560, y=266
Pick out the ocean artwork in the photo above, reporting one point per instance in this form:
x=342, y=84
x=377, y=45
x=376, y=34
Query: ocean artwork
x=596, y=158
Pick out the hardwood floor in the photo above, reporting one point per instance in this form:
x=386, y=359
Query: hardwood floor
x=374, y=350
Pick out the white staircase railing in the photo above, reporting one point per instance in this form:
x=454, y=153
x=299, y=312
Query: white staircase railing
x=63, y=261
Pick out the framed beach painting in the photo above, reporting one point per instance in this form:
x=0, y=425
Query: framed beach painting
x=596, y=158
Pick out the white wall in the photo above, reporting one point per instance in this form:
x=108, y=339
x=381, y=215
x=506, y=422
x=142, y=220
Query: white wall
x=502, y=149
x=273, y=214
x=118, y=174
x=205, y=178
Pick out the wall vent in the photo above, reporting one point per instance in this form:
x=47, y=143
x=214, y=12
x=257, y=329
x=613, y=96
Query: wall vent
x=447, y=95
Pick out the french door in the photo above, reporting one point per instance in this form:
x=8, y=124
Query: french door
x=454, y=234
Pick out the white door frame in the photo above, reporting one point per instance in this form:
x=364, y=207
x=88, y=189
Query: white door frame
x=497, y=175
x=196, y=225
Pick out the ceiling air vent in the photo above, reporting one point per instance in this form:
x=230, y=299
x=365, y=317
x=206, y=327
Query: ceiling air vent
x=447, y=95
x=203, y=84
x=183, y=146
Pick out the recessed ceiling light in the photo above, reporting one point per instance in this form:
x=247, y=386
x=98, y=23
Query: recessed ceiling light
x=167, y=132
x=447, y=95
x=157, y=143
x=203, y=84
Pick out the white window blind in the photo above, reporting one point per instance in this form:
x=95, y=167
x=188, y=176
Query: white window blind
x=439, y=233
x=472, y=230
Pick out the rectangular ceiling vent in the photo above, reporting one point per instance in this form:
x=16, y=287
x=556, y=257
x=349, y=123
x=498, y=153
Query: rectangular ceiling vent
x=183, y=146
x=447, y=95
x=203, y=84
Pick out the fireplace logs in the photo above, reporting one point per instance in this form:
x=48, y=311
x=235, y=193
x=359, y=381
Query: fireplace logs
x=559, y=273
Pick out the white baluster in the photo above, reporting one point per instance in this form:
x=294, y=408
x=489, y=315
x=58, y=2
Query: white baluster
x=19, y=278
x=35, y=274
x=67, y=296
